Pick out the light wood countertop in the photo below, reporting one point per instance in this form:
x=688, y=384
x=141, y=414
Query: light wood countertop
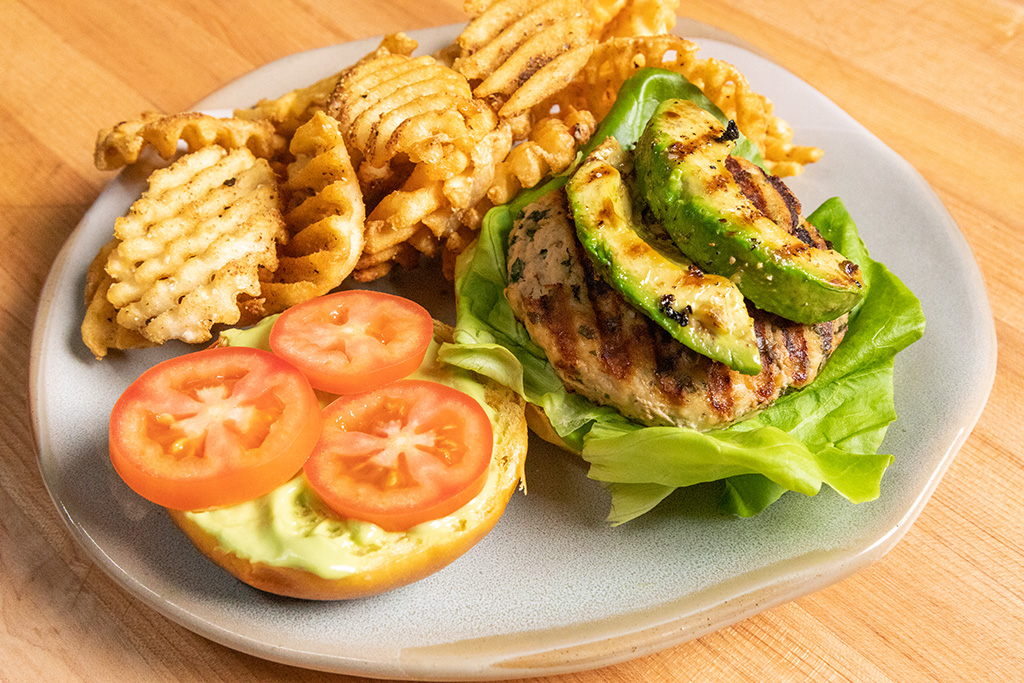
x=942, y=83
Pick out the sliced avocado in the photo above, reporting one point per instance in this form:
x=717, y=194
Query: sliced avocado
x=681, y=173
x=705, y=312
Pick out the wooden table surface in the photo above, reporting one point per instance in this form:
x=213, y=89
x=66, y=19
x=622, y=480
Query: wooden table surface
x=940, y=82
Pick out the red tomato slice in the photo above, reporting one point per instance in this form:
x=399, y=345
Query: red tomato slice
x=212, y=428
x=353, y=341
x=402, y=454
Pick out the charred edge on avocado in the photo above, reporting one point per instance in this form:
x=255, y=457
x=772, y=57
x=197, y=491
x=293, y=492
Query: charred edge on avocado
x=783, y=273
x=667, y=305
x=732, y=132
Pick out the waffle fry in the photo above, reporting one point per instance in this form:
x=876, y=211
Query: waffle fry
x=602, y=12
x=641, y=18
x=399, y=215
x=325, y=221
x=390, y=105
x=289, y=111
x=387, y=161
x=425, y=212
x=490, y=18
x=731, y=92
x=493, y=38
x=612, y=62
x=518, y=52
x=399, y=44
x=100, y=329
x=296, y=107
x=466, y=189
x=782, y=157
x=122, y=144
x=196, y=239
x=616, y=59
x=550, y=148
x=426, y=151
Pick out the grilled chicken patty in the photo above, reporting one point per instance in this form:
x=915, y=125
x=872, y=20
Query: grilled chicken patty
x=604, y=349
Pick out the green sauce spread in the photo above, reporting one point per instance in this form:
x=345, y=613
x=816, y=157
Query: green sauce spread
x=292, y=527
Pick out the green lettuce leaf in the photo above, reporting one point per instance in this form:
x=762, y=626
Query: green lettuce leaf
x=827, y=433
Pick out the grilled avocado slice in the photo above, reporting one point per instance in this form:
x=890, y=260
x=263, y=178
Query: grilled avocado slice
x=705, y=312
x=681, y=173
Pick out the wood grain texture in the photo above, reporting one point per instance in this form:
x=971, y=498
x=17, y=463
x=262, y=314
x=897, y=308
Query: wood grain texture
x=940, y=82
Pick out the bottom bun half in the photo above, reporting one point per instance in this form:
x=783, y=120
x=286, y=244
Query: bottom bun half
x=313, y=554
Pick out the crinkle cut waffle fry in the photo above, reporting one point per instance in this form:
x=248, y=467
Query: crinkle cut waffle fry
x=197, y=238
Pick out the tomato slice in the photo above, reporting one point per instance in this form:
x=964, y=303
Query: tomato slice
x=402, y=454
x=212, y=428
x=353, y=341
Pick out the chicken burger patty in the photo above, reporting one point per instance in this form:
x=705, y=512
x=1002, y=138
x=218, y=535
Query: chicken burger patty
x=606, y=350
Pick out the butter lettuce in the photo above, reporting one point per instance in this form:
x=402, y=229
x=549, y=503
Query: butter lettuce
x=828, y=433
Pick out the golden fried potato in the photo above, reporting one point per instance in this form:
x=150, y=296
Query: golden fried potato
x=197, y=238
x=640, y=18
x=493, y=38
x=616, y=59
x=782, y=157
x=400, y=214
x=519, y=52
x=466, y=189
x=425, y=152
x=490, y=18
x=296, y=107
x=399, y=44
x=602, y=12
x=100, y=329
x=393, y=106
x=613, y=61
x=550, y=148
x=121, y=145
x=289, y=111
x=731, y=92
x=387, y=161
x=426, y=212
x=324, y=220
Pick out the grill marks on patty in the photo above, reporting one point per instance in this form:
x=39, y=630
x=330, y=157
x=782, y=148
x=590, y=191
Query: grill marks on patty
x=554, y=311
x=611, y=326
x=604, y=349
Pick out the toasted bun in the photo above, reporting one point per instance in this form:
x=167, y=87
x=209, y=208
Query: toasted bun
x=402, y=558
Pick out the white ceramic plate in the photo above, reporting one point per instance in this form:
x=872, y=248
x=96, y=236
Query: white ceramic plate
x=553, y=588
